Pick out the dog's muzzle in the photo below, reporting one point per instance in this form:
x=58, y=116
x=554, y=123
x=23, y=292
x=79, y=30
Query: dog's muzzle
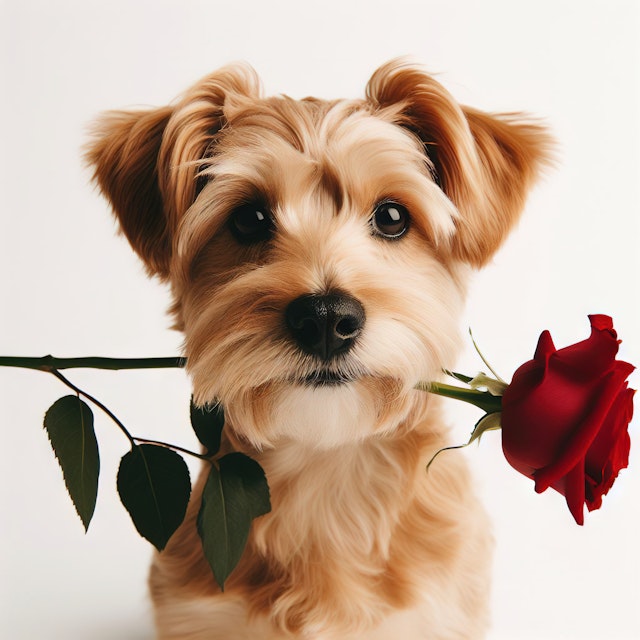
x=325, y=325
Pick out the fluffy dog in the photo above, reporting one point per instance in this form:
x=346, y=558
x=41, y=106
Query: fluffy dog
x=318, y=254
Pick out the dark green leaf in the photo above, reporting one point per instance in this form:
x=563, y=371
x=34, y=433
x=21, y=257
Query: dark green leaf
x=154, y=486
x=234, y=494
x=207, y=422
x=69, y=425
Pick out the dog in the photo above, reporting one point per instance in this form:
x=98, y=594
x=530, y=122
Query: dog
x=318, y=255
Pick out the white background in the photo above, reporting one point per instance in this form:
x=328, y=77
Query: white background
x=70, y=286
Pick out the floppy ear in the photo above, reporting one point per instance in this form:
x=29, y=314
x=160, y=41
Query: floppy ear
x=146, y=162
x=485, y=163
x=124, y=156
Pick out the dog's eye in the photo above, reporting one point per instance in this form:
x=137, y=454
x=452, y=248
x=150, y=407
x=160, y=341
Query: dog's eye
x=390, y=220
x=251, y=223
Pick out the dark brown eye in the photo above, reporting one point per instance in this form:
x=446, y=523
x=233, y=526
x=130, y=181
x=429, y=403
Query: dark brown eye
x=390, y=220
x=251, y=223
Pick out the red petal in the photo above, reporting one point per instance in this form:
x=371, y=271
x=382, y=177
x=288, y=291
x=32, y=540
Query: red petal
x=573, y=491
x=544, y=348
x=602, y=323
x=586, y=432
x=592, y=357
x=572, y=487
x=609, y=452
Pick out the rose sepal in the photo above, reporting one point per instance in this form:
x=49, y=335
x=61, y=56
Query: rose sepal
x=484, y=392
x=488, y=422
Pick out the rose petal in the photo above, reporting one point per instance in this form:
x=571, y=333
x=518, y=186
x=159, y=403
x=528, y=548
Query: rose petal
x=592, y=357
x=585, y=433
x=602, y=323
x=538, y=418
x=571, y=486
x=544, y=348
x=609, y=452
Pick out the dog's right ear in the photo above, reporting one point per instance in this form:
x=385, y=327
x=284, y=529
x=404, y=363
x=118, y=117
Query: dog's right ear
x=124, y=156
x=146, y=162
x=485, y=163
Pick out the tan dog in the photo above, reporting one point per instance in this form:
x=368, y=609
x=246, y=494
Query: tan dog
x=318, y=254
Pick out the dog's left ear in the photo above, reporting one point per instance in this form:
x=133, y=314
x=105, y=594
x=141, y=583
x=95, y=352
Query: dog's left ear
x=146, y=162
x=485, y=163
x=124, y=157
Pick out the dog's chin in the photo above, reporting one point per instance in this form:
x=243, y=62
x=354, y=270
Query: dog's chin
x=322, y=410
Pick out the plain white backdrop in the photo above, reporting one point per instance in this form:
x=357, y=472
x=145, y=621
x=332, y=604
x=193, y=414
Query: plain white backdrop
x=71, y=287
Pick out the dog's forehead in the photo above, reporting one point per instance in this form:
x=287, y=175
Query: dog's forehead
x=283, y=144
x=296, y=122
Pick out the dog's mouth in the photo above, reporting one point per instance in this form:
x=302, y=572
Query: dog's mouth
x=324, y=378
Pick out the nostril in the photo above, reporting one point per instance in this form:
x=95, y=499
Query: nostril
x=348, y=328
x=306, y=323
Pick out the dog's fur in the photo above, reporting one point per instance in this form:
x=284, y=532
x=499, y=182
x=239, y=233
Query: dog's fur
x=361, y=542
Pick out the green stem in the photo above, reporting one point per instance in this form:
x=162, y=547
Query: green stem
x=95, y=401
x=49, y=363
x=481, y=399
x=174, y=447
x=133, y=440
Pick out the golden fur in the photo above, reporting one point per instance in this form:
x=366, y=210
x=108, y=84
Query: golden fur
x=361, y=542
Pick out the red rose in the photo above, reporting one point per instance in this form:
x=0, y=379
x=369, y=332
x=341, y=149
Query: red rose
x=565, y=417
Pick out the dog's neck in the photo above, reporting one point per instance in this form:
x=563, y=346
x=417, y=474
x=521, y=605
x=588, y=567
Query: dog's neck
x=346, y=499
x=335, y=499
x=347, y=513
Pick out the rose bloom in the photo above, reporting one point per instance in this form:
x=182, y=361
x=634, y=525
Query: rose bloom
x=565, y=417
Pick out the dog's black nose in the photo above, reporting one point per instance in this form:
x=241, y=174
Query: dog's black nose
x=325, y=325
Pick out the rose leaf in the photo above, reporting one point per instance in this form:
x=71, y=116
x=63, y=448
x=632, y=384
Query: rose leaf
x=69, y=425
x=235, y=493
x=207, y=422
x=154, y=486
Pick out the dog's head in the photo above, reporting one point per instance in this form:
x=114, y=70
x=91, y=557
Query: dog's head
x=317, y=251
